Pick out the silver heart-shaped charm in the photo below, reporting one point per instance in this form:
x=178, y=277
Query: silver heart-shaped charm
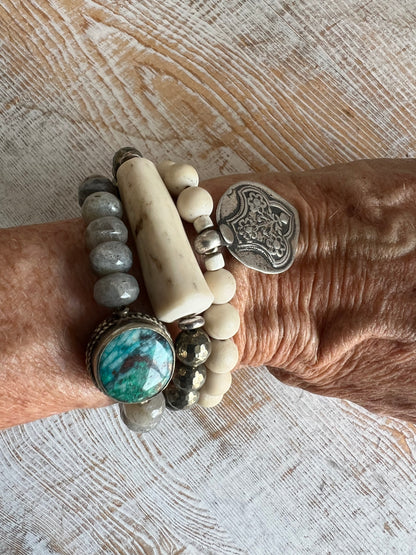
x=259, y=227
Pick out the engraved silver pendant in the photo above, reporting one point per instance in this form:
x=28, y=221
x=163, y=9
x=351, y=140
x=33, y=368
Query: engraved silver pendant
x=259, y=227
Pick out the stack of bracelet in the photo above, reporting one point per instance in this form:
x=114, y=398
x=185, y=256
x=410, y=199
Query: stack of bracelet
x=131, y=356
x=205, y=352
x=205, y=338
x=142, y=403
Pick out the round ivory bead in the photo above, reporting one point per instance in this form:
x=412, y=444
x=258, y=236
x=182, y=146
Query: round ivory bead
x=208, y=401
x=178, y=177
x=222, y=284
x=105, y=229
x=221, y=321
x=116, y=290
x=163, y=166
x=112, y=256
x=98, y=205
x=217, y=384
x=214, y=261
x=194, y=202
x=223, y=357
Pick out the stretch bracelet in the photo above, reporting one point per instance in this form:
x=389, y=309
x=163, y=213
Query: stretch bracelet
x=221, y=320
x=131, y=356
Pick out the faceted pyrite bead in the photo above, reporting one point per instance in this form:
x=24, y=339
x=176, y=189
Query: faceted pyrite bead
x=95, y=184
x=179, y=399
x=189, y=378
x=144, y=417
x=193, y=347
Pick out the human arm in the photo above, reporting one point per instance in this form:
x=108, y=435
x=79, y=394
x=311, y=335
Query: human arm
x=339, y=322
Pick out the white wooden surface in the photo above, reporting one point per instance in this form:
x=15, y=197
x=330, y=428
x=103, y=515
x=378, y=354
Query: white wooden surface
x=233, y=86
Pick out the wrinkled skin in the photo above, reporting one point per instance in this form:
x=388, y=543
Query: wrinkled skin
x=340, y=322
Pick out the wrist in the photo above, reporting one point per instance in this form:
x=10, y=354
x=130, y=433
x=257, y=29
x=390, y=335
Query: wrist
x=44, y=322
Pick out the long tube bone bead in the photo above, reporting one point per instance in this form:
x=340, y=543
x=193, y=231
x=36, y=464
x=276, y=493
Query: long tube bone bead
x=174, y=281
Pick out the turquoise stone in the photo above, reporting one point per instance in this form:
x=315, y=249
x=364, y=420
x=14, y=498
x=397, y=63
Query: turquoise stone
x=135, y=365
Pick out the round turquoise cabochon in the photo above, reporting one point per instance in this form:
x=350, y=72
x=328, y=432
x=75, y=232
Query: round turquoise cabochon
x=135, y=365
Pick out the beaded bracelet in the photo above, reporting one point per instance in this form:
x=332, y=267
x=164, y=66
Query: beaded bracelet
x=130, y=355
x=138, y=380
x=221, y=320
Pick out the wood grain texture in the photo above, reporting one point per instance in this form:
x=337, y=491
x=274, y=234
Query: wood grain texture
x=233, y=86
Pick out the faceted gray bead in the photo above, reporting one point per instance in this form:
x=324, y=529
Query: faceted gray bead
x=112, y=256
x=98, y=205
x=94, y=184
x=193, y=347
x=105, y=229
x=178, y=399
x=189, y=378
x=115, y=290
x=144, y=417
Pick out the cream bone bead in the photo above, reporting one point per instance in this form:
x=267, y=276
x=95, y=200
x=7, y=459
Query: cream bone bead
x=208, y=401
x=163, y=166
x=223, y=357
x=221, y=321
x=178, y=177
x=194, y=202
x=217, y=384
x=214, y=261
x=207, y=241
x=174, y=281
x=222, y=284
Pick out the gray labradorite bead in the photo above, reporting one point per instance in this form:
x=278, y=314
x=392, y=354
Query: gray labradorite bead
x=105, y=229
x=98, y=205
x=179, y=399
x=94, y=184
x=116, y=290
x=107, y=258
x=189, y=378
x=193, y=347
x=144, y=417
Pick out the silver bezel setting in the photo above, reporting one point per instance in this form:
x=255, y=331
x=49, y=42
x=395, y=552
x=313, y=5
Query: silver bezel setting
x=110, y=328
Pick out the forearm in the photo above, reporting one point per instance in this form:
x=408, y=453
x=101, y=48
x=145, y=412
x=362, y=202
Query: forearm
x=340, y=321
x=46, y=313
x=46, y=317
